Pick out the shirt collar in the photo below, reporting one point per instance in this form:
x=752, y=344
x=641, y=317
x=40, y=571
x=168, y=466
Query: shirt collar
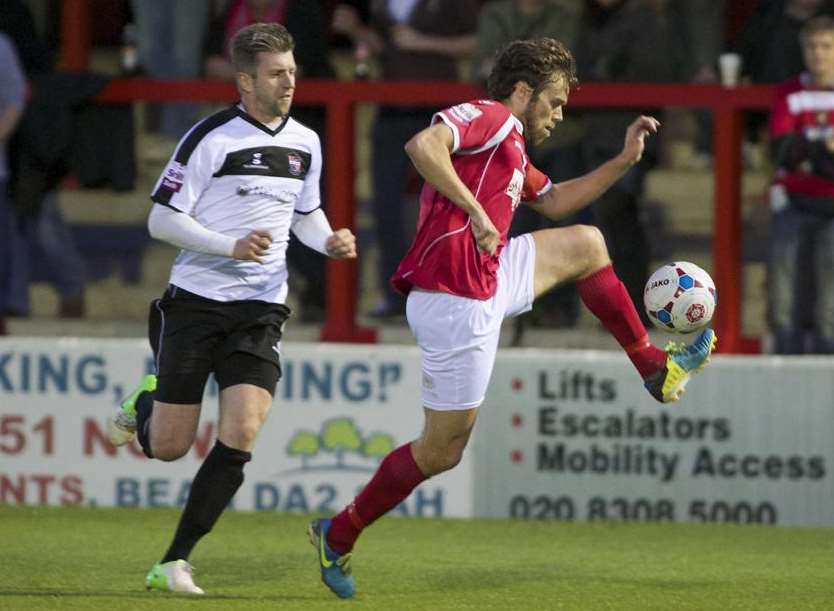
x=518, y=124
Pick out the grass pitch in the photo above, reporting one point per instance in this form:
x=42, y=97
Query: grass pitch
x=80, y=558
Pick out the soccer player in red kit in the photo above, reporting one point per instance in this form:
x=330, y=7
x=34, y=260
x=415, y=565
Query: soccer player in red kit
x=463, y=276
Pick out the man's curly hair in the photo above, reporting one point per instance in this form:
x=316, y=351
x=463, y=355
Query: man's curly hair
x=536, y=62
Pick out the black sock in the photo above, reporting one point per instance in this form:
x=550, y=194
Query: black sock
x=144, y=409
x=219, y=477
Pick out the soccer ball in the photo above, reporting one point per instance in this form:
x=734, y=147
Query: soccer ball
x=680, y=297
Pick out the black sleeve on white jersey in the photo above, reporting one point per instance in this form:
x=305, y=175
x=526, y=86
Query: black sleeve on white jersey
x=200, y=131
x=183, y=179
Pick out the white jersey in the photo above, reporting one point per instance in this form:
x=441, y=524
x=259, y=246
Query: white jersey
x=233, y=174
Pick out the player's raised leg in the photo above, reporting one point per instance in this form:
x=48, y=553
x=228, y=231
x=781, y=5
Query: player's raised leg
x=171, y=426
x=579, y=253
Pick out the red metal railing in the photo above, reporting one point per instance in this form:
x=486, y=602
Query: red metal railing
x=340, y=99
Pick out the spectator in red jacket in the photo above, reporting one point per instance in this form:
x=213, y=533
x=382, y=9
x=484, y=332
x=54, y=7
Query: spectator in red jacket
x=801, y=298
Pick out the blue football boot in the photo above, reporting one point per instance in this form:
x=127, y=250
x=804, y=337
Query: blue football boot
x=335, y=569
x=668, y=384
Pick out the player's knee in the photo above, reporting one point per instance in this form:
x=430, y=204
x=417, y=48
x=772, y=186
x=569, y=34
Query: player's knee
x=444, y=460
x=242, y=435
x=246, y=437
x=592, y=240
x=168, y=450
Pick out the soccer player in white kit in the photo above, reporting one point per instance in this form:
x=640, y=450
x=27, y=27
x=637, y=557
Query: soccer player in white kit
x=463, y=276
x=238, y=182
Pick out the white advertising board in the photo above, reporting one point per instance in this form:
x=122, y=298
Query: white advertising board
x=568, y=435
x=338, y=411
x=574, y=436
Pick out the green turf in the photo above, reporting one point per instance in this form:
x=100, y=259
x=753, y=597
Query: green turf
x=73, y=558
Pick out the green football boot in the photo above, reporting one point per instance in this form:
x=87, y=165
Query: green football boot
x=174, y=576
x=121, y=428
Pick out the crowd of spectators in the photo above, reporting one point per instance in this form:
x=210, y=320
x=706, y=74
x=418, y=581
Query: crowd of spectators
x=618, y=41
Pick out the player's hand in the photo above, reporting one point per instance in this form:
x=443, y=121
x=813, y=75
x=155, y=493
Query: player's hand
x=486, y=235
x=635, y=138
x=341, y=244
x=252, y=246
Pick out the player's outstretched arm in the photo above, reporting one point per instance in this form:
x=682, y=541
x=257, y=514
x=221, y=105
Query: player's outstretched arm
x=570, y=196
x=183, y=231
x=430, y=152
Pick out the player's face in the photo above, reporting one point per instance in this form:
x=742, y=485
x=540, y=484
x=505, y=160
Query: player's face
x=545, y=110
x=274, y=83
x=818, y=50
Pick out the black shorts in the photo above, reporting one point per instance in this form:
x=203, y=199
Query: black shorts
x=193, y=336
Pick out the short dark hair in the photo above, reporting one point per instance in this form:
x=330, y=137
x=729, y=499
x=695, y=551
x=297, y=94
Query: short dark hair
x=816, y=25
x=259, y=38
x=536, y=62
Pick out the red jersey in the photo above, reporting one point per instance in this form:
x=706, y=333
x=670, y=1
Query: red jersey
x=490, y=158
x=802, y=108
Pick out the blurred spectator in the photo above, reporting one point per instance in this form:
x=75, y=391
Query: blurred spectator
x=12, y=99
x=770, y=49
x=170, y=36
x=305, y=21
x=40, y=155
x=502, y=21
x=801, y=292
x=414, y=40
x=618, y=43
x=696, y=40
x=17, y=23
x=499, y=23
x=769, y=44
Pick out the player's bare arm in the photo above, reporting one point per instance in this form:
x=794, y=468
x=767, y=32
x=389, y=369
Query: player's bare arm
x=570, y=196
x=430, y=152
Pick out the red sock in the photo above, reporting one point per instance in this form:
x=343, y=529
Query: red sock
x=397, y=476
x=606, y=297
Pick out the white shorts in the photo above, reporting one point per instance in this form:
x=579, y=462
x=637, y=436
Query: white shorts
x=458, y=336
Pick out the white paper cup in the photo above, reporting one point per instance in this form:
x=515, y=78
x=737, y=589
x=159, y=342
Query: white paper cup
x=729, y=66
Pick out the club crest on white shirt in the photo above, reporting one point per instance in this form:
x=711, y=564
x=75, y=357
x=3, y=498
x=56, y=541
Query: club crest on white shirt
x=295, y=164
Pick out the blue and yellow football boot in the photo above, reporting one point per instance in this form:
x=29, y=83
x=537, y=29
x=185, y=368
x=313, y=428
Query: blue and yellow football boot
x=335, y=569
x=668, y=384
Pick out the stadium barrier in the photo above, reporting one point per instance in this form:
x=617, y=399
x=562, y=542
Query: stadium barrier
x=341, y=98
x=567, y=435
